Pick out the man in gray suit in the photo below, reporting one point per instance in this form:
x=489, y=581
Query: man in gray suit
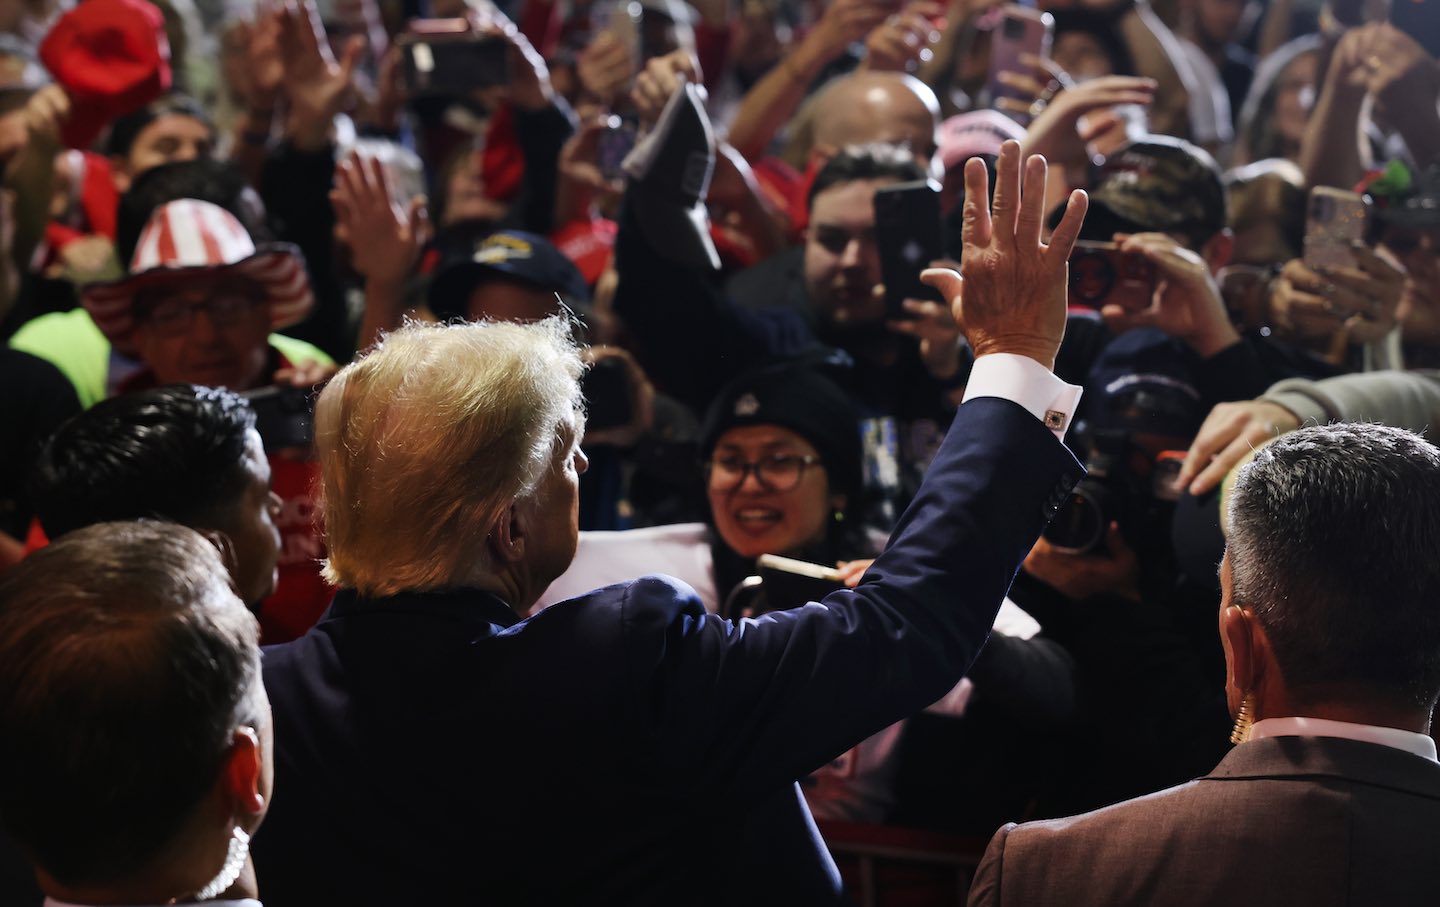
x=1330, y=620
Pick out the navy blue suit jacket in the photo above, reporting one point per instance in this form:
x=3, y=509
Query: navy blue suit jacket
x=627, y=747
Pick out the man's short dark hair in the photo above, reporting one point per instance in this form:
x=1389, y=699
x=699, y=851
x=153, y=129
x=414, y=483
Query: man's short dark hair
x=126, y=129
x=126, y=664
x=874, y=161
x=1333, y=541
x=218, y=182
x=174, y=453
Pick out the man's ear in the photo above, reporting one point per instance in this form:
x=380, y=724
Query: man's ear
x=1247, y=649
x=245, y=771
x=1218, y=250
x=507, y=536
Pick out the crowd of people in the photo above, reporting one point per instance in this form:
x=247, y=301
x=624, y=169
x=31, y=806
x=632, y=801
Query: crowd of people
x=516, y=448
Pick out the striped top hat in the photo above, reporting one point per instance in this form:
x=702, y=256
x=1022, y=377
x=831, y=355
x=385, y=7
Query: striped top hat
x=189, y=237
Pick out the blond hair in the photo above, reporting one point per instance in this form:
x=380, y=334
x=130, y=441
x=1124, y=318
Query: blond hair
x=428, y=438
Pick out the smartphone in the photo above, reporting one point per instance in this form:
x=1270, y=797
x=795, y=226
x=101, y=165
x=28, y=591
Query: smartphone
x=443, y=57
x=284, y=416
x=1022, y=30
x=615, y=144
x=789, y=583
x=1335, y=219
x=1101, y=274
x=606, y=387
x=909, y=234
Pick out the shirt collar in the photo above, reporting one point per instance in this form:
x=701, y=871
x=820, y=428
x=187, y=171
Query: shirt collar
x=1409, y=741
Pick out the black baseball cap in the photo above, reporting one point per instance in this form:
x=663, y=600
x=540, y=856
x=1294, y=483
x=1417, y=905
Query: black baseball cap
x=1156, y=184
x=511, y=254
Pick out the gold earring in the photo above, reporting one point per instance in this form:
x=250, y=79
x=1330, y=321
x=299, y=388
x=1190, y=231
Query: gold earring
x=1244, y=719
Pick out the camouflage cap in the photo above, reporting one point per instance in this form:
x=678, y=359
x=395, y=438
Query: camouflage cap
x=1163, y=184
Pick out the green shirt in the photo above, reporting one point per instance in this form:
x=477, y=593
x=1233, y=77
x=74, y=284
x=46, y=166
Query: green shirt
x=72, y=343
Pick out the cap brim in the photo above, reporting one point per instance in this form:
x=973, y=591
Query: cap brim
x=680, y=233
x=278, y=267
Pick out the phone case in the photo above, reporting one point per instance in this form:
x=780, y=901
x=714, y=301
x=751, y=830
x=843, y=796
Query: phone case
x=1334, y=221
x=1100, y=274
x=1021, y=31
x=908, y=232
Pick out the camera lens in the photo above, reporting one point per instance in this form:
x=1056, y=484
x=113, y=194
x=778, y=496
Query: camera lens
x=1079, y=526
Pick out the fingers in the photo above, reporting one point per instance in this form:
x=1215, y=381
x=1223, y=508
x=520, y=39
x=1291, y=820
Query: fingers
x=948, y=282
x=851, y=572
x=1005, y=209
x=976, y=225
x=1032, y=206
x=1231, y=431
x=418, y=215
x=1378, y=265
x=1062, y=239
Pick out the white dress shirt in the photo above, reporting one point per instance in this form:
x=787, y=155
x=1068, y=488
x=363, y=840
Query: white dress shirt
x=1409, y=741
x=1024, y=381
x=243, y=902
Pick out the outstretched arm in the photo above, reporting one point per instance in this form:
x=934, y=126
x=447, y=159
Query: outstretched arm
x=779, y=695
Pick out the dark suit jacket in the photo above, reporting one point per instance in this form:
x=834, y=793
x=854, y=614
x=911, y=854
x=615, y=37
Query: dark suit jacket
x=1316, y=821
x=626, y=747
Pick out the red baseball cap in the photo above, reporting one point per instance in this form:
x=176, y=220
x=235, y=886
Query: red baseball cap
x=112, y=58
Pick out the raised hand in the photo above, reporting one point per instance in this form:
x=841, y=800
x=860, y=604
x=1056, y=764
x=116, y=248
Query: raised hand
x=317, y=85
x=384, y=237
x=1187, y=304
x=659, y=80
x=1009, y=296
x=1055, y=132
x=905, y=39
x=1230, y=432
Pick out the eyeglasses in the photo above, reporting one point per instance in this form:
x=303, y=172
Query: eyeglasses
x=174, y=317
x=781, y=472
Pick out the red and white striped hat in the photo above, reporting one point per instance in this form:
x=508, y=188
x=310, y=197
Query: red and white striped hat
x=187, y=237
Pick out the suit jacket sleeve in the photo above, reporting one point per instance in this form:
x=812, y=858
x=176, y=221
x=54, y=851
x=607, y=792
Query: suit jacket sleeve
x=730, y=706
x=985, y=887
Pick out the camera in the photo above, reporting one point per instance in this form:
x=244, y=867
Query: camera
x=443, y=58
x=1126, y=483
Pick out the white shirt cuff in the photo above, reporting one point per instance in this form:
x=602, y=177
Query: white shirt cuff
x=1024, y=381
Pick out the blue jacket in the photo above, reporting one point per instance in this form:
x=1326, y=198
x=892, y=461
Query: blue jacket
x=626, y=747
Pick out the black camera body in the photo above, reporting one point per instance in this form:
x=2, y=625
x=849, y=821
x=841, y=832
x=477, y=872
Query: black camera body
x=1124, y=484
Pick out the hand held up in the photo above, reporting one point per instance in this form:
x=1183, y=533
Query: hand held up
x=1009, y=296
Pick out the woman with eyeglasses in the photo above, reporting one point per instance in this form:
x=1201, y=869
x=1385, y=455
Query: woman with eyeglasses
x=781, y=456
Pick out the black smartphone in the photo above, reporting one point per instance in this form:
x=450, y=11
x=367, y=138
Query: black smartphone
x=909, y=235
x=789, y=583
x=452, y=62
x=284, y=416
x=606, y=387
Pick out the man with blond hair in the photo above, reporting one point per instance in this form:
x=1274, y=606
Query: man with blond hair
x=436, y=748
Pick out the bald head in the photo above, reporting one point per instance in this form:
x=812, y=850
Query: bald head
x=867, y=107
